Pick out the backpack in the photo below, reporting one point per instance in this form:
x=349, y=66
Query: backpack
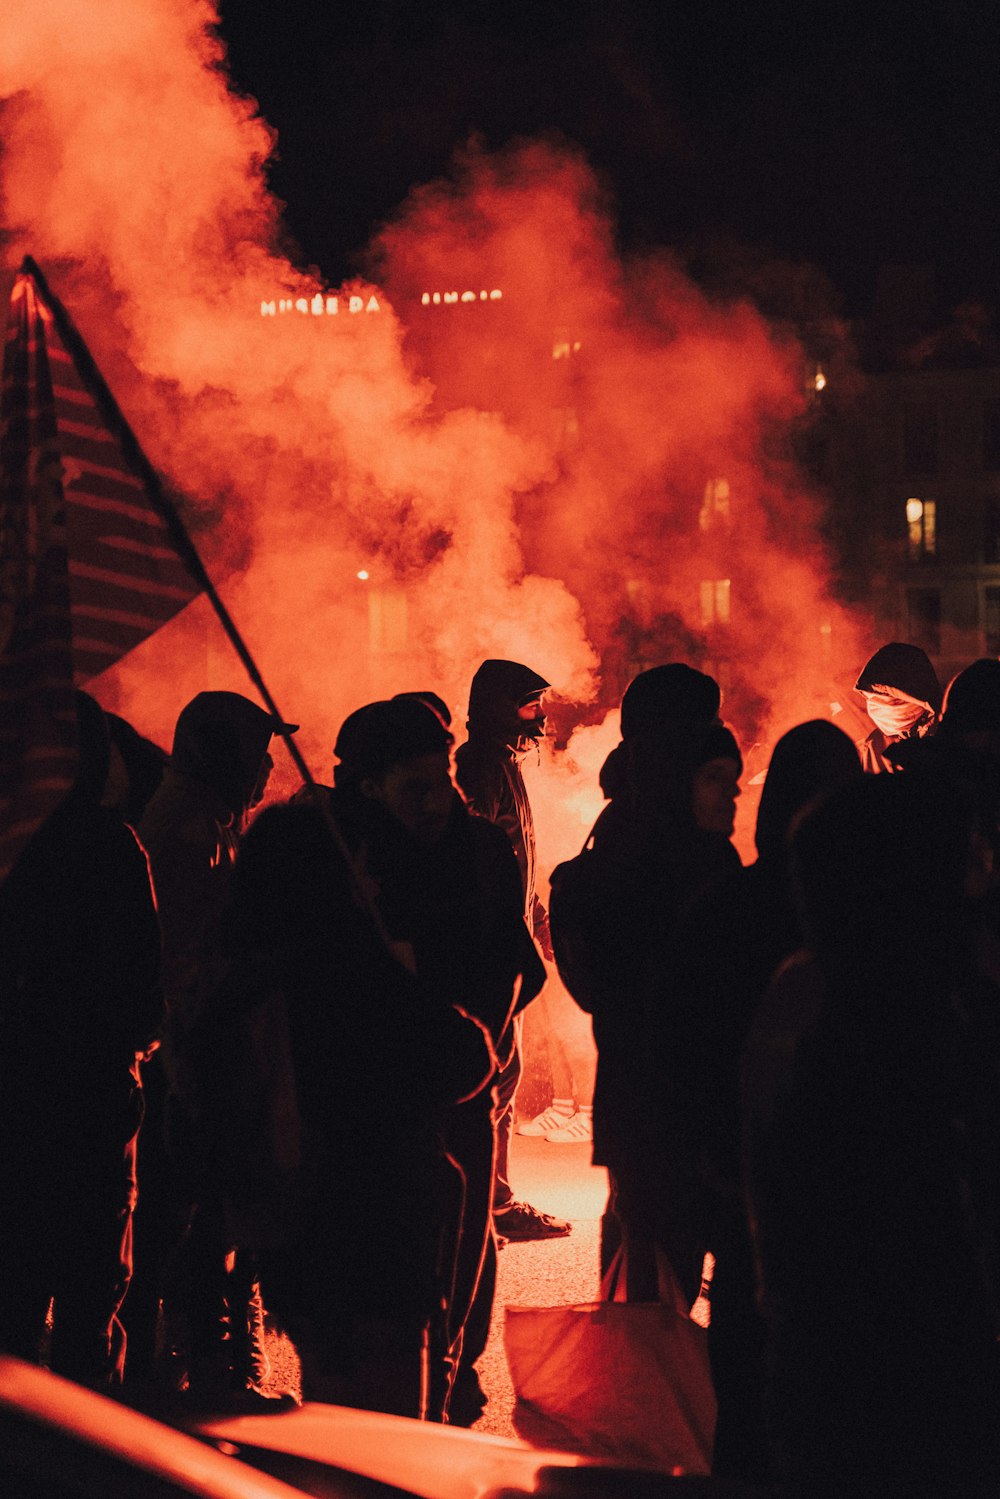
x=578, y=912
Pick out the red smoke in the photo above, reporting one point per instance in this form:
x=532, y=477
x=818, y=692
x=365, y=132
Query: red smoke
x=587, y=473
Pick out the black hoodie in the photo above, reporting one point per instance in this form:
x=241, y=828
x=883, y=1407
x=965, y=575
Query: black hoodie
x=487, y=770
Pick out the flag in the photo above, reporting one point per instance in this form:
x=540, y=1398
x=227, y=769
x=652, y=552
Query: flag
x=93, y=559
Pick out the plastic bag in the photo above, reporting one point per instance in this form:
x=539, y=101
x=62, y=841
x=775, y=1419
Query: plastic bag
x=614, y=1379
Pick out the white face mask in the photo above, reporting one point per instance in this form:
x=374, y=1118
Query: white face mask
x=895, y=716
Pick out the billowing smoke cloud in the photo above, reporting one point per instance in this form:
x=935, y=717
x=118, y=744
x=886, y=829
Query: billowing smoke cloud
x=588, y=472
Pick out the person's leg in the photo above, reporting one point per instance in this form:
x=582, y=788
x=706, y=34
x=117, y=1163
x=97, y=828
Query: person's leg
x=504, y=1090
x=94, y=1264
x=471, y=1142
x=512, y=1219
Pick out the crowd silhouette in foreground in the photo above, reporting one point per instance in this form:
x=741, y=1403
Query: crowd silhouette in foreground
x=288, y=1080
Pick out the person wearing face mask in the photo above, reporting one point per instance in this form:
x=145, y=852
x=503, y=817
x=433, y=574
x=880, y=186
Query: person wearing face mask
x=903, y=698
x=506, y=718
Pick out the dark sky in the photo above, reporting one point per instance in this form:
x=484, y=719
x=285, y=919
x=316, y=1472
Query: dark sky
x=850, y=136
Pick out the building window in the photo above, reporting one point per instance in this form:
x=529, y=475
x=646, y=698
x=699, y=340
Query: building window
x=991, y=620
x=921, y=527
x=715, y=504
x=991, y=435
x=923, y=607
x=714, y=600
x=920, y=439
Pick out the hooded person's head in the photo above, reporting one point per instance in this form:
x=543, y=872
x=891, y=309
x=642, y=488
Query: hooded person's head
x=221, y=739
x=396, y=753
x=808, y=762
x=971, y=712
x=901, y=690
x=662, y=700
x=505, y=704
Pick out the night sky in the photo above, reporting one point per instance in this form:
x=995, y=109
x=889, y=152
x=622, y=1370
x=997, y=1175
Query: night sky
x=846, y=136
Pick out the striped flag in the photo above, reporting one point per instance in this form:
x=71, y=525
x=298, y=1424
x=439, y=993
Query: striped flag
x=92, y=558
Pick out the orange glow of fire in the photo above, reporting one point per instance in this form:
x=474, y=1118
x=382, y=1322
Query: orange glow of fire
x=509, y=503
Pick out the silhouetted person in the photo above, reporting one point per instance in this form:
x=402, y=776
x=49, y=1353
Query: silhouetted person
x=903, y=698
x=136, y=770
x=506, y=718
x=190, y=830
x=382, y=1054
x=613, y=902
x=79, y=1002
x=871, y=1177
x=725, y=950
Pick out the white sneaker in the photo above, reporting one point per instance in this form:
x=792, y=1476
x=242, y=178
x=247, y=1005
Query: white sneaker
x=575, y=1131
x=559, y=1112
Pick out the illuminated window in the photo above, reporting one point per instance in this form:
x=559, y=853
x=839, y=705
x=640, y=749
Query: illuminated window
x=991, y=620
x=714, y=601
x=564, y=346
x=920, y=438
x=921, y=528
x=923, y=608
x=715, y=504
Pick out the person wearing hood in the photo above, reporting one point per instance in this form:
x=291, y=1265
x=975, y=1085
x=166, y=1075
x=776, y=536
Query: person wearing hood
x=726, y=947
x=606, y=903
x=190, y=830
x=80, y=1005
x=903, y=699
x=506, y=718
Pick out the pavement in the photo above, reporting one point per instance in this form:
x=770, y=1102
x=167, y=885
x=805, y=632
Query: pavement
x=559, y=1179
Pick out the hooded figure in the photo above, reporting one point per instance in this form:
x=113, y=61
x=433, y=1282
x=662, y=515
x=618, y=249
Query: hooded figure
x=903, y=698
x=657, y=701
x=505, y=719
x=487, y=769
x=663, y=837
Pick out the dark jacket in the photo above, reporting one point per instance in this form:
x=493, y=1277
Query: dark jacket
x=456, y=903
x=80, y=969
x=611, y=925
x=190, y=828
x=487, y=769
x=378, y=1055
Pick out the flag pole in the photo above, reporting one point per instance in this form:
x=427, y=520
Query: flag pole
x=119, y=425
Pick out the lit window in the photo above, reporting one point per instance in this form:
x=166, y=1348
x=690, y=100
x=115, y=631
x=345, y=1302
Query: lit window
x=921, y=527
x=715, y=503
x=714, y=600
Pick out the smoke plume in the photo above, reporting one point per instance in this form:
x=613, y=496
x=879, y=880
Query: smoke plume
x=509, y=442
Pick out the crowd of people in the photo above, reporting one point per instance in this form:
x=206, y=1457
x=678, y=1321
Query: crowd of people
x=317, y=1023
